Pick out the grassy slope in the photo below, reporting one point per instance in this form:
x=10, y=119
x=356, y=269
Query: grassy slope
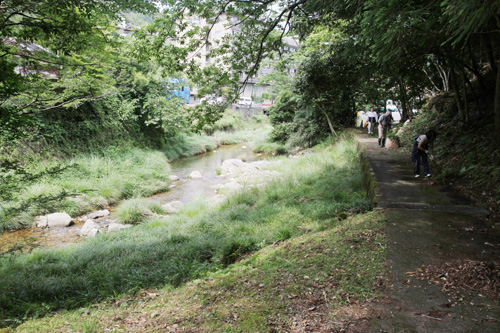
x=318, y=191
x=316, y=281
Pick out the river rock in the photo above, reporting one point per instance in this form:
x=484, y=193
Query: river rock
x=232, y=166
x=230, y=187
x=100, y=213
x=195, y=175
x=55, y=220
x=172, y=207
x=88, y=228
x=173, y=178
x=117, y=227
x=41, y=222
x=94, y=232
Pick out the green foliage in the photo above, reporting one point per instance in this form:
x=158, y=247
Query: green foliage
x=69, y=62
x=328, y=77
x=183, y=145
x=270, y=148
x=166, y=115
x=260, y=118
x=307, y=130
x=280, y=78
x=353, y=249
x=353, y=53
x=295, y=124
x=229, y=122
x=281, y=116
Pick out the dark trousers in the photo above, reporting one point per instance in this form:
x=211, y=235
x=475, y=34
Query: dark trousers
x=416, y=155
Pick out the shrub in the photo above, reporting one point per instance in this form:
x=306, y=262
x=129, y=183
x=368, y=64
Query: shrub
x=230, y=121
x=132, y=211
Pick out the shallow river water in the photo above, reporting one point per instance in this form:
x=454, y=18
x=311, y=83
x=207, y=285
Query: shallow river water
x=185, y=190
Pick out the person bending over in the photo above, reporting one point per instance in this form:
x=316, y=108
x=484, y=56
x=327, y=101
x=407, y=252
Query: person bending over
x=422, y=150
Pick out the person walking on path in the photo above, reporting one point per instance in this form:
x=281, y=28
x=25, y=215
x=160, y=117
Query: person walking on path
x=423, y=149
x=383, y=125
x=372, y=119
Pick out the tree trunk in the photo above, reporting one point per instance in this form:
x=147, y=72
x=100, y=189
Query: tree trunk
x=497, y=97
x=475, y=69
x=474, y=94
x=404, y=98
x=329, y=122
x=465, y=99
x=491, y=54
x=456, y=91
x=497, y=107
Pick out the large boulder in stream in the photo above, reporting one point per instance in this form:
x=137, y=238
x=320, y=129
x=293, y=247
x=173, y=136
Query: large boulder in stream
x=98, y=214
x=195, y=175
x=172, y=207
x=230, y=187
x=55, y=220
x=118, y=226
x=232, y=166
x=90, y=229
x=238, y=167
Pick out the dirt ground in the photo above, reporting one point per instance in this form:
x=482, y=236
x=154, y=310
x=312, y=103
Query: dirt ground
x=443, y=256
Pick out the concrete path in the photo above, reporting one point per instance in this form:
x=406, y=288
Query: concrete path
x=428, y=224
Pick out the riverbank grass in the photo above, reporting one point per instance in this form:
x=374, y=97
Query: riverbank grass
x=86, y=182
x=321, y=280
x=313, y=193
x=135, y=210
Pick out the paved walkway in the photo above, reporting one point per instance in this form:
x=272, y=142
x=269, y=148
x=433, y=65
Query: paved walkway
x=428, y=225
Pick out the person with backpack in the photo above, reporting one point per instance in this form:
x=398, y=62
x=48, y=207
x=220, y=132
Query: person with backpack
x=423, y=147
x=383, y=126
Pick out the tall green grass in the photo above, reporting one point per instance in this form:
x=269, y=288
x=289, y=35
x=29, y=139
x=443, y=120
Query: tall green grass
x=230, y=121
x=136, y=210
x=184, y=145
x=314, y=191
x=90, y=181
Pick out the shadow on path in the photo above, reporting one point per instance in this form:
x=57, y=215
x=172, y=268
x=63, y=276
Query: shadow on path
x=428, y=224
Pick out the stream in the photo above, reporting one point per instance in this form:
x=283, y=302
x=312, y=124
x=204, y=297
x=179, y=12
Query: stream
x=184, y=190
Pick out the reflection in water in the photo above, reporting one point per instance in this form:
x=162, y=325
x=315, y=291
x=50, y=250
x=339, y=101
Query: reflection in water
x=186, y=190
